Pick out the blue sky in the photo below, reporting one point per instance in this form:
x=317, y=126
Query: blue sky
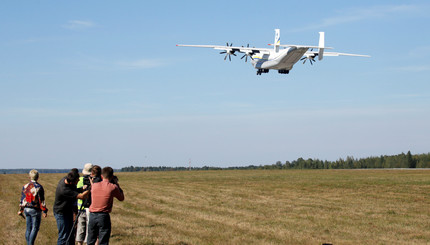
x=103, y=82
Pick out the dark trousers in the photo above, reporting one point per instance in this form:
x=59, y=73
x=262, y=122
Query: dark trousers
x=64, y=225
x=99, y=226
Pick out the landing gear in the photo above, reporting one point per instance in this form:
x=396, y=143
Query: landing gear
x=284, y=71
x=259, y=71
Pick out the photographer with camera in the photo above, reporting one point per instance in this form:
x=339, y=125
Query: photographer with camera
x=91, y=174
x=66, y=195
x=102, y=195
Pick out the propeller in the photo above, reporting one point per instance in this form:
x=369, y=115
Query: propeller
x=228, y=52
x=247, y=54
x=310, y=57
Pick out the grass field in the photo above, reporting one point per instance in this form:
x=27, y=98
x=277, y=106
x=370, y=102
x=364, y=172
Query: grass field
x=250, y=207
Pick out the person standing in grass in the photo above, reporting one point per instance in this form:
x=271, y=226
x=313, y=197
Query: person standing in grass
x=83, y=205
x=66, y=195
x=102, y=195
x=92, y=174
x=32, y=205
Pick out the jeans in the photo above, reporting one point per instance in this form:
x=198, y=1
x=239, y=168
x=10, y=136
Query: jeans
x=64, y=225
x=99, y=226
x=33, y=217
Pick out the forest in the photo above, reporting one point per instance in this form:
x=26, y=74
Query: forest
x=394, y=161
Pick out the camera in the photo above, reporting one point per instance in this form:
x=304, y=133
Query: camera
x=87, y=180
x=114, y=180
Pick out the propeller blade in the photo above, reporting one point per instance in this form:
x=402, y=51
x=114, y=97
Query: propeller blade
x=229, y=57
x=310, y=60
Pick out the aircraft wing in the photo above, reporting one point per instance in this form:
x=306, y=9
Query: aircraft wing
x=344, y=54
x=232, y=49
x=313, y=53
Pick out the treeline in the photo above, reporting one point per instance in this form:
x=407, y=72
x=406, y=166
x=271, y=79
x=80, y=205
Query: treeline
x=41, y=170
x=164, y=168
x=27, y=170
x=396, y=161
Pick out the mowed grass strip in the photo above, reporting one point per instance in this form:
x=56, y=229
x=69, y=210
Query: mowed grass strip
x=251, y=207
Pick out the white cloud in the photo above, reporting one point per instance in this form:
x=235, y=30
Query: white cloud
x=141, y=64
x=99, y=64
x=237, y=105
x=112, y=90
x=358, y=14
x=283, y=116
x=419, y=52
x=35, y=112
x=421, y=68
x=42, y=39
x=79, y=24
x=408, y=96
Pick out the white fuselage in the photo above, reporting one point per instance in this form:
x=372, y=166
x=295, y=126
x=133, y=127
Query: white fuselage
x=284, y=59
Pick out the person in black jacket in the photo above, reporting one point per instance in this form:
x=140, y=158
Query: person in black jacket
x=66, y=195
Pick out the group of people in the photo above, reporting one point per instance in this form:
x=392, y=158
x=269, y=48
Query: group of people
x=83, y=200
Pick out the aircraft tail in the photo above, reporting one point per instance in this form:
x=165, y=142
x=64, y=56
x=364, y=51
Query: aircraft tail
x=277, y=42
x=321, y=46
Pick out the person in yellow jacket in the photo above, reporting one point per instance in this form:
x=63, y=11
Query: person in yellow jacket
x=92, y=172
x=83, y=205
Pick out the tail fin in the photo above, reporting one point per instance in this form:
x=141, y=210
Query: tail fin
x=277, y=42
x=321, y=46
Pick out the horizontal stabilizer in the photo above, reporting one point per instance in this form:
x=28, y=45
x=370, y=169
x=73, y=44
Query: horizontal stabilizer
x=300, y=46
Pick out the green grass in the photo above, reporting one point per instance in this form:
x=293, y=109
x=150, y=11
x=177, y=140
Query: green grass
x=251, y=207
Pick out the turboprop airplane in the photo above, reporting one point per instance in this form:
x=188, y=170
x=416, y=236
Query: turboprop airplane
x=281, y=57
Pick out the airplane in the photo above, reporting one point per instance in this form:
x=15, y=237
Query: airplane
x=281, y=57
